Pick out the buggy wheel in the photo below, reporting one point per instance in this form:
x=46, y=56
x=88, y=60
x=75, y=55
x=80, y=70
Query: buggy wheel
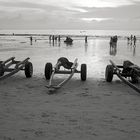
x=28, y=69
x=134, y=77
x=48, y=70
x=83, y=72
x=1, y=70
x=109, y=73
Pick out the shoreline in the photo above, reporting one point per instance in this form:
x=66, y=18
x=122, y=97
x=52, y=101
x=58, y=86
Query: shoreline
x=65, y=35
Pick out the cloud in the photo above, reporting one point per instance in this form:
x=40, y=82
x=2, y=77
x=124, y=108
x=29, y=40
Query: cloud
x=77, y=9
x=70, y=3
x=95, y=19
x=69, y=14
x=123, y=12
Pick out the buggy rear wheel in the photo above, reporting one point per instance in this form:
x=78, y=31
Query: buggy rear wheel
x=134, y=77
x=48, y=70
x=109, y=73
x=28, y=69
x=83, y=72
x=1, y=70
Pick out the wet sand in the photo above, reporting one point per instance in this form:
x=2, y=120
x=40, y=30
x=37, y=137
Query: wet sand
x=88, y=110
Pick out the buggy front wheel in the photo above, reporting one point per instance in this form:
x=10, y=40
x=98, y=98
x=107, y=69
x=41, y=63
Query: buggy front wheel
x=48, y=70
x=109, y=73
x=1, y=70
x=28, y=69
x=83, y=72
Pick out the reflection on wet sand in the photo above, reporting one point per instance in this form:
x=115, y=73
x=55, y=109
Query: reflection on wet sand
x=134, y=51
x=113, y=51
x=132, y=48
x=86, y=47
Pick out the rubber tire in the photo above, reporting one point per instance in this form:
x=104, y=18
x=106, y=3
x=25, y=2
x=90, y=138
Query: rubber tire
x=1, y=70
x=134, y=78
x=109, y=73
x=28, y=70
x=83, y=72
x=48, y=70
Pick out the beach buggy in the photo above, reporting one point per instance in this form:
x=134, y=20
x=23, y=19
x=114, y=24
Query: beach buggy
x=70, y=68
x=12, y=66
x=128, y=69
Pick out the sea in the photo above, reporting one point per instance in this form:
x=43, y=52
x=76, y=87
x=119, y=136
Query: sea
x=96, y=53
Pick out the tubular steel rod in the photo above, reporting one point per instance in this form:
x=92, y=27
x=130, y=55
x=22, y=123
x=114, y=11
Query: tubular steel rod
x=22, y=62
x=123, y=79
x=4, y=62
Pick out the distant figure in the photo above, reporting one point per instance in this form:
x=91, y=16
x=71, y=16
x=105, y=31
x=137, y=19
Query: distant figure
x=128, y=40
x=131, y=39
x=134, y=39
x=31, y=40
x=53, y=38
x=62, y=61
x=113, y=41
x=85, y=39
x=110, y=42
x=115, y=38
x=50, y=38
x=59, y=38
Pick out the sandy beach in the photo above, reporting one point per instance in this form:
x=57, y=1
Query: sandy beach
x=88, y=110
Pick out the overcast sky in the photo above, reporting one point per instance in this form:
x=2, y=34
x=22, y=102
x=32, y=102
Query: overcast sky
x=70, y=14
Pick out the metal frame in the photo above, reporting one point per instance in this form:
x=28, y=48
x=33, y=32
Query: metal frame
x=71, y=72
x=121, y=75
x=19, y=65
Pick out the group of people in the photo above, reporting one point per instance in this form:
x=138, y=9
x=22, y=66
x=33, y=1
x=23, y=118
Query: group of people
x=54, y=38
x=132, y=40
x=113, y=41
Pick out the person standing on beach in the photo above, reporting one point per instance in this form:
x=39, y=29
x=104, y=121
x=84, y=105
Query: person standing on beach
x=134, y=39
x=50, y=37
x=53, y=38
x=128, y=39
x=59, y=38
x=113, y=41
x=131, y=38
x=85, y=39
x=31, y=40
